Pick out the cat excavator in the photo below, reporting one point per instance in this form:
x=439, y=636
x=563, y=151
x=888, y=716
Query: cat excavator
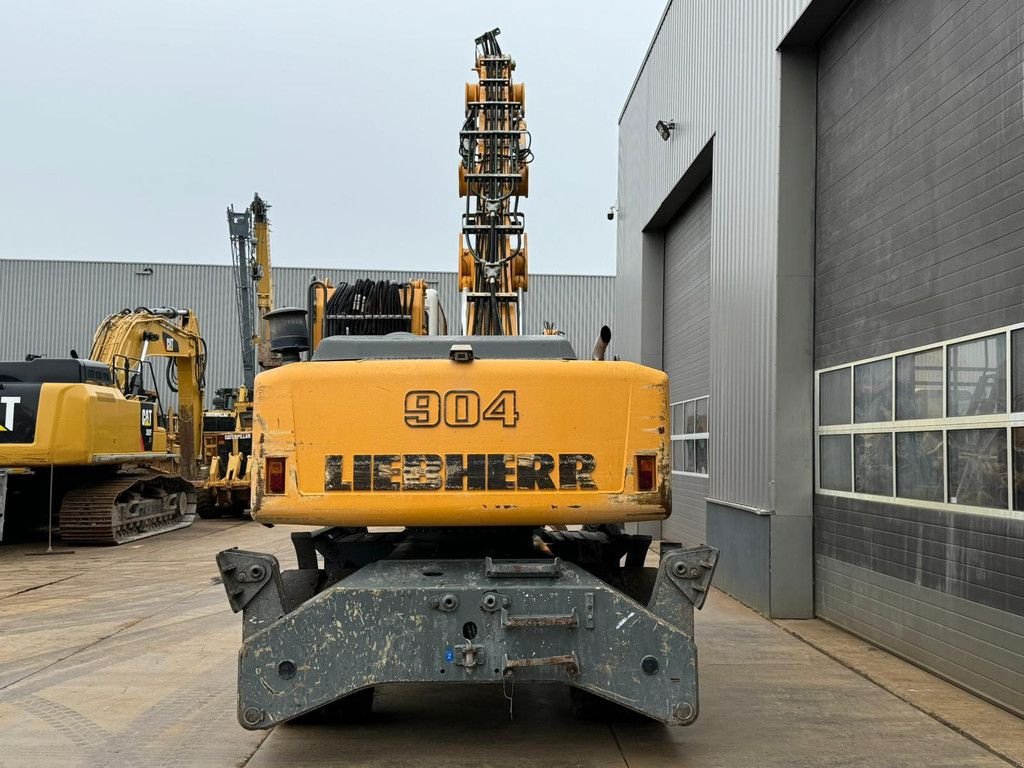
x=89, y=440
x=473, y=488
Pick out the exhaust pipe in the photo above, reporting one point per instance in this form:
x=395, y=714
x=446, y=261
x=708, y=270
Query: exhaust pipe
x=288, y=333
x=602, y=342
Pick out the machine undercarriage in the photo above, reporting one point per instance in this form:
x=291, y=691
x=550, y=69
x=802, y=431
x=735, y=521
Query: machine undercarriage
x=471, y=605
x=100, y=506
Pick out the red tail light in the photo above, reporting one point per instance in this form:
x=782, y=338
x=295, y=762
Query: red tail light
x=645, y=473
x=275, y=474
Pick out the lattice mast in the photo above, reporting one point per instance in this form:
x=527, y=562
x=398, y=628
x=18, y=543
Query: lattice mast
x=494, y=174
x=242, y=241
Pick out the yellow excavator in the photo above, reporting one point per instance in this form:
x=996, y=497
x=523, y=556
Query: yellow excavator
x=227, y=429
x=90, y=441
x=502, y=467
x=227, y=451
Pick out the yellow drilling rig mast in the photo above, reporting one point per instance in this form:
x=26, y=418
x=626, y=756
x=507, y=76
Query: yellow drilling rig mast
x=481, y=450
x=263, y=276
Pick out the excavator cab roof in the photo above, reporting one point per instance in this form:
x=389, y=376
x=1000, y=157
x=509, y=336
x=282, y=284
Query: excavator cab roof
x=56, y=370
x=407, y=346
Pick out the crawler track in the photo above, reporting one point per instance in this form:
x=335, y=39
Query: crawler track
x=127, y=507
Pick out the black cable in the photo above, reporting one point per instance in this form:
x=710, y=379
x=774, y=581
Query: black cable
x=171, y=373
x=367, y=307
x=201, y=364
x=495, y=315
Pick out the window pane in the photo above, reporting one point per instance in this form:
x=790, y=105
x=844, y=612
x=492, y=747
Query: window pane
x=872, y=391
x=1018, y=468
x=834, y=454
x=702, y=415
x=977, y=377
x=919, y=459
x=834, y=397
x=977, y=467
x=872, y=457
x=677, y=455
x=689, y=427
x=677, y=419
x=1017, y=360
x=919, y=385
x=701, y=447
x=689, y=462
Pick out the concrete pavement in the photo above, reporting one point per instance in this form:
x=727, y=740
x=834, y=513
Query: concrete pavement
x=126, y=657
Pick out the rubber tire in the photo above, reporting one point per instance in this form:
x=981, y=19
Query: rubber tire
x=589, y=707
x=638, y=583
x=354, y=708
x=206, y=506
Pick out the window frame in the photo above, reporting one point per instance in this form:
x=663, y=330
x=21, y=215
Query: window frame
x=684, y=437
x=1007, y=420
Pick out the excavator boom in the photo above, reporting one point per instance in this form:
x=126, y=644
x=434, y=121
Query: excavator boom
x=126, y=340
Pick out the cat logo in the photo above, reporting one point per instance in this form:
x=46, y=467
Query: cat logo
x=171, y=344
x=7, y=413
x=146, y=425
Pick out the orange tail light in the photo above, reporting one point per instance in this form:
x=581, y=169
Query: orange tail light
x=275, y=474
x=645, y=473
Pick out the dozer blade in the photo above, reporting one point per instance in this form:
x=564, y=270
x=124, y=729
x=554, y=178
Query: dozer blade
x=126, y=507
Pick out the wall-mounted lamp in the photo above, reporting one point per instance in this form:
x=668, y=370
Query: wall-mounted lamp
x=612, y=210
x=144, y=272
x=665, y=128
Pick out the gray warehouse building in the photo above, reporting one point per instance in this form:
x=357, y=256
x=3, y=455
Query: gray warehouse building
x=50, y=307
x=821, y=240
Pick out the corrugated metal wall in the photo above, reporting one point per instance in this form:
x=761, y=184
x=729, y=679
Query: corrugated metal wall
x=687, y=349
x=920, y=178
x=50, y=307
x=714, y=70
x=920, y=171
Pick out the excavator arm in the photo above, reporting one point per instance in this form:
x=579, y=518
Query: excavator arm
x=125, y=341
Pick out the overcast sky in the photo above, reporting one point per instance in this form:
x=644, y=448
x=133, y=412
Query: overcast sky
x=129, y=126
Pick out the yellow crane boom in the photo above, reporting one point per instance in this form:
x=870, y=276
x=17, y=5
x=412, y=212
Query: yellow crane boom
x=263, y=275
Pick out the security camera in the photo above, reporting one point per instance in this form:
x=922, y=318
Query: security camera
x=611, y=213
x=665, y=128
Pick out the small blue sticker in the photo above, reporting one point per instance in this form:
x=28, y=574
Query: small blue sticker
x=449, y=655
